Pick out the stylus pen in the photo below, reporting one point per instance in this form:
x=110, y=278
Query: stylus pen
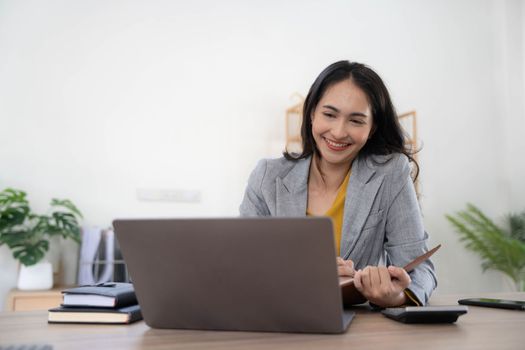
x=343, y=281
x=414, y=263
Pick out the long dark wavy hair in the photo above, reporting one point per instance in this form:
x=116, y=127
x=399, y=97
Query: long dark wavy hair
x=387, y=136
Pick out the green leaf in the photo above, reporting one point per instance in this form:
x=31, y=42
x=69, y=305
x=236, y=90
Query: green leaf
x=66, y=203
x=9, y=196
x=65, y=224
x=517, y=226
x=16, y=237
x=31, y=254
x=14, y=209
x=13, y=216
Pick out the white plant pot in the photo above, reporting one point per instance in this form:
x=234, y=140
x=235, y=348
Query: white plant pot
x=38, y=276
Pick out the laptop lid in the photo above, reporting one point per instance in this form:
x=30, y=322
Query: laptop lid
x=251, y=274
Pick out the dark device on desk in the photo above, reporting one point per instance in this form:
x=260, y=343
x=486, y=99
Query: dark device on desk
x=425, y=314
x=245, y=274
x=498, y=303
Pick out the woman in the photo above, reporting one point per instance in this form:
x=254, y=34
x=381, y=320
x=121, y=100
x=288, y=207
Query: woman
x=354, y=167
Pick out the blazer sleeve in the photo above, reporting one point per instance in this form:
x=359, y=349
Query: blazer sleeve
x=253, y=203
x=405, y=235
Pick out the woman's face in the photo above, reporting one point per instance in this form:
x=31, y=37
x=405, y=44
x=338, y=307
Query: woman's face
x=341, y=123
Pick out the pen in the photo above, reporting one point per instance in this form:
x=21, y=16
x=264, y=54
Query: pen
x=414, y=263
x=343, y=281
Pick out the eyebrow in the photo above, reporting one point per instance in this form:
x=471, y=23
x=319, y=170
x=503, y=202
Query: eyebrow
x=353, y=114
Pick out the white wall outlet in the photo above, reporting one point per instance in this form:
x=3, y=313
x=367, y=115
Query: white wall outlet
x=168, y=195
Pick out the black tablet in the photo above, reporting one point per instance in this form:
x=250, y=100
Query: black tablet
x=425, y=314
x=499, y=303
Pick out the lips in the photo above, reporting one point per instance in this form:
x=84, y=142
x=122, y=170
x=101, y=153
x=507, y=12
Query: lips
x=336, y=146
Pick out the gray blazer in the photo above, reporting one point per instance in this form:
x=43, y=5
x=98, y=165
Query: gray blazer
x=382, y=221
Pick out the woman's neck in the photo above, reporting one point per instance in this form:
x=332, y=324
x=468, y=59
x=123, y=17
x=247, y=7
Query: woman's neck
x=327, y=177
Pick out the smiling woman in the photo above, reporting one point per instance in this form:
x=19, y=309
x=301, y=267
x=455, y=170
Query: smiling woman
x=354, y=168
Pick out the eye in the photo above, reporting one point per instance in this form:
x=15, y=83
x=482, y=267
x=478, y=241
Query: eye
x=358, y=121
x=329, y=115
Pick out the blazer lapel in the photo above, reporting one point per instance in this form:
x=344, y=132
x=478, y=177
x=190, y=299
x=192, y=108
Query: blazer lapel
x=292, y=190
x=360, y=195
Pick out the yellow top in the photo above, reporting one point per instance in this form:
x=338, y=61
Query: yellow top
x=336, y=212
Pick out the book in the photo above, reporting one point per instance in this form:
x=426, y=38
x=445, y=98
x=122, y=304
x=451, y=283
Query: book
x=123, y=315
x=111, y=295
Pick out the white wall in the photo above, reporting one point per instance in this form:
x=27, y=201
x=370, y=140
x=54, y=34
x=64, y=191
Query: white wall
x=512, y=46
x=99, y=98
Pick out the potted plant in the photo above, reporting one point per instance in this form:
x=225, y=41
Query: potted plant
x=28, y=234
x=500, y=248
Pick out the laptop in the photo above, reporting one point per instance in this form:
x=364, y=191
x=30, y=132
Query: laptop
x=236, y=274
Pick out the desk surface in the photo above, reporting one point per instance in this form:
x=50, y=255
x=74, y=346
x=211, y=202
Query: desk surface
x=480, y=328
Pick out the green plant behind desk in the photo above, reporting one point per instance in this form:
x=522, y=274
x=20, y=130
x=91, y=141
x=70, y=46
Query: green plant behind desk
x=501, y=249
x=27, y=234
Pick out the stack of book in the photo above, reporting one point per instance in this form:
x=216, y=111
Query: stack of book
x=104, y=303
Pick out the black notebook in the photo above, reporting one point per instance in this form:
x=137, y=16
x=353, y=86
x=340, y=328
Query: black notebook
x=111, y=295
x=123, y=315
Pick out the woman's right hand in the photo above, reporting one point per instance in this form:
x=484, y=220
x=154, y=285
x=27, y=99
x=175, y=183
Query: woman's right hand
x=345, y=268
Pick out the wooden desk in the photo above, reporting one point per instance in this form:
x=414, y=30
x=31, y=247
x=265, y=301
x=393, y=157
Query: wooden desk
x=481, y=328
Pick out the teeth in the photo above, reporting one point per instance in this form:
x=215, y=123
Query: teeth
x=337, y=144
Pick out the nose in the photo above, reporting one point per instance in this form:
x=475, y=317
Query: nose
x=339, y=129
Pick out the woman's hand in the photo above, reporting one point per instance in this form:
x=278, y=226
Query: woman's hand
x=351, y=296
x=345, y=268
x=383, y=286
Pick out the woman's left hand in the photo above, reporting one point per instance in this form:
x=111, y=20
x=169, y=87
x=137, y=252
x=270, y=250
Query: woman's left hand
x=345, y=268
x=383, y=286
